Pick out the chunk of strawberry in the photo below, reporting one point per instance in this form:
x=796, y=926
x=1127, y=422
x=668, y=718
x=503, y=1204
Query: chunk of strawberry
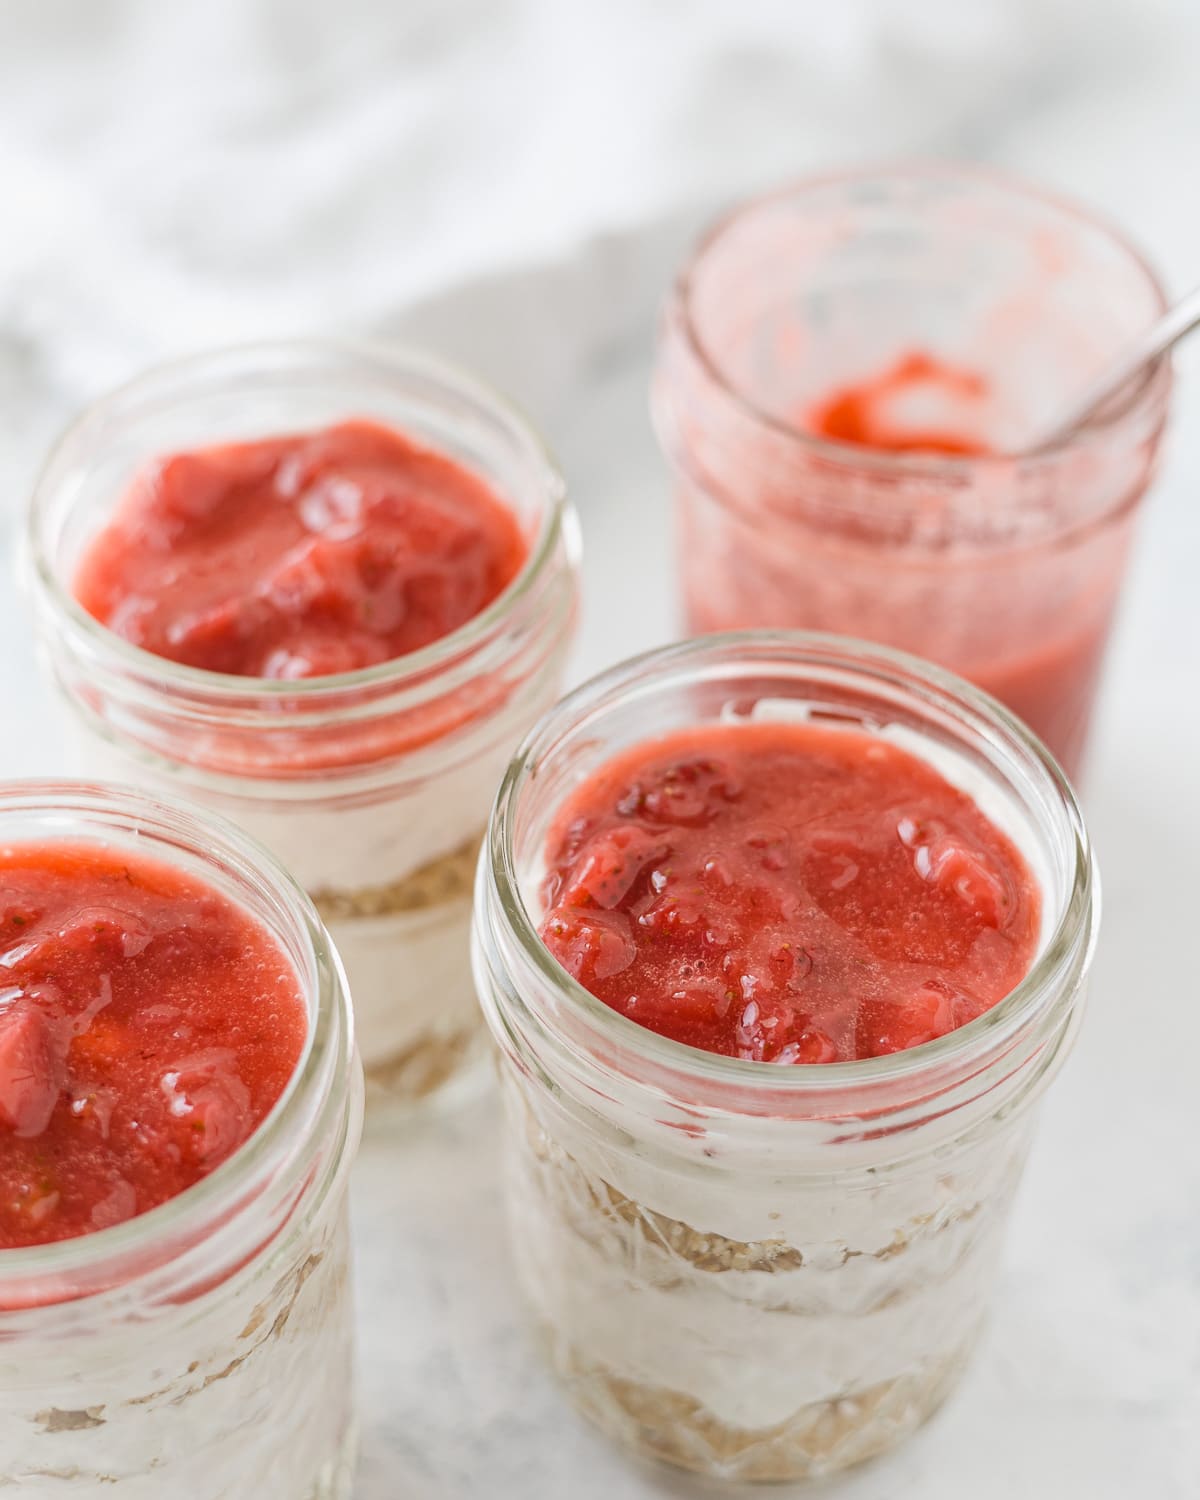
x=106, y=929
x=953, y=867
x=29, y=1070
x=195, y=487
x=669, y=913
x=689, y=792
x=770, y=961
x=208, y=1098
x=314, y=576
x=610, y=864
x=214, y=636
x=696, y=1012
x=896, y=1025
x=591, y=945
x=812, y=1046
x=943, y=859
x=317, y=653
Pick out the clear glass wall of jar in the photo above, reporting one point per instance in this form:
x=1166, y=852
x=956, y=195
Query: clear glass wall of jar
x=753, y=1271
x=372, y=787
x=1005, y=570
x=204, y=1348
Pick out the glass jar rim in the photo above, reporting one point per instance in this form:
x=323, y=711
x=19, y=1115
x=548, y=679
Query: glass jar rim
x=309, y=1102
x=229, y=689
x=1070, y=943
x=1155, y=383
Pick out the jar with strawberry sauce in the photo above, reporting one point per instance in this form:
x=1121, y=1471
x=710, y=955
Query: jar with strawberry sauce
x=847, y=371
x=781, y=937
x=321, y=589
x=175, y=1311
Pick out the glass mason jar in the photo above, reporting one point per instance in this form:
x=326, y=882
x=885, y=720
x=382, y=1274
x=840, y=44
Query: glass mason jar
x=755, y=1271
x=1006, y=570
x=373, y=786
x=203, y=1348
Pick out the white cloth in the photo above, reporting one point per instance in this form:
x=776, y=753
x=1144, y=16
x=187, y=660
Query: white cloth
x=202, y=171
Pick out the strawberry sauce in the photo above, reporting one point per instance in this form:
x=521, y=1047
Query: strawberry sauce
x=918, y=405
x=147, y=1027
x=300, y=556
x=786, y=893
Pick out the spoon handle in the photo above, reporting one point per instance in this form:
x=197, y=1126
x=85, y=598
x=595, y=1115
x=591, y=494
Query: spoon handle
x=1147, y=347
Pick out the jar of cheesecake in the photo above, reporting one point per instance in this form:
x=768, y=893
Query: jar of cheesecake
x=781, y=937
x=322, y=589
x=180, y=1103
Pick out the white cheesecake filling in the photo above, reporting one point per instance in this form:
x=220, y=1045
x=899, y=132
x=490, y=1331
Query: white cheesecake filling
x=343, y=846
x=410, y=980
x=763, y=1301
x=246, y=1390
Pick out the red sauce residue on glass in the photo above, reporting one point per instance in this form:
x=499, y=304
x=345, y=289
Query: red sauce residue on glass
x=300, y=556
x=786, y=893
x=891, y=411
x=147, y=1027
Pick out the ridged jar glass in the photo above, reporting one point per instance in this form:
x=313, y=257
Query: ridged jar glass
x=373, y=786
x=768, y=1272
x=205, y=1348
x=1004, y=569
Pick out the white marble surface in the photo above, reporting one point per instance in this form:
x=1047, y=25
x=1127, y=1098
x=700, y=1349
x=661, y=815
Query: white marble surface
x=510, y=181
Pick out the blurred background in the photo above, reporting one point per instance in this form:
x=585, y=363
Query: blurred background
x=512, y=182
x=190, y=173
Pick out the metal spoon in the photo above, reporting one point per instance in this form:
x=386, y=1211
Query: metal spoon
x=1146, y=348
